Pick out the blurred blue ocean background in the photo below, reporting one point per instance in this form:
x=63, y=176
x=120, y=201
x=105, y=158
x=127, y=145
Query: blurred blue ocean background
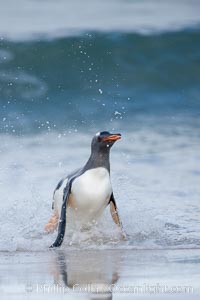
x=136, y=59
x=71, y=68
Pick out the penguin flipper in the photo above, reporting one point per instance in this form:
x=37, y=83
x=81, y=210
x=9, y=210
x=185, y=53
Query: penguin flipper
x=62, y=221
x=115, y=215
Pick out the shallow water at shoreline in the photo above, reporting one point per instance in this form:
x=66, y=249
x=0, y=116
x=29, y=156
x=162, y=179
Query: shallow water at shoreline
x=155, y=178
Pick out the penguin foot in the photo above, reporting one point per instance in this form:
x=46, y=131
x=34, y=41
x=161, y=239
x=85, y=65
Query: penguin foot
x=124, y=236
x=52, y=224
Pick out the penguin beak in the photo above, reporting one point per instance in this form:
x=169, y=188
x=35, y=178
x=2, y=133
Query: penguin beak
x=112, y=137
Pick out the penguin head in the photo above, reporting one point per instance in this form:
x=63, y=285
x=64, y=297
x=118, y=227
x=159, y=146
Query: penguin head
x=104, y=140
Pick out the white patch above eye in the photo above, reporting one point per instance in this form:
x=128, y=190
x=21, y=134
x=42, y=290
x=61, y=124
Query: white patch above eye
x=98, y=134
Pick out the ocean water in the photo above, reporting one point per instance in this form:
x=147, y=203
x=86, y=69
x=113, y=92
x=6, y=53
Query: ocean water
x=68, y=70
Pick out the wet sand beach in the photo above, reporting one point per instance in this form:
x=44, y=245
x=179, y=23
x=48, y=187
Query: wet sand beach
x=96, y=274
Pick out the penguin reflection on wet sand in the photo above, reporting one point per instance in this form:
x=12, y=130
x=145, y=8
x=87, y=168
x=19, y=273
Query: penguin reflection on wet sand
x=93, y=273
x=87, y=191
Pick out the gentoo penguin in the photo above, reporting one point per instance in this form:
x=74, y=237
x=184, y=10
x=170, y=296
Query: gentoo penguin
x=88, y=191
